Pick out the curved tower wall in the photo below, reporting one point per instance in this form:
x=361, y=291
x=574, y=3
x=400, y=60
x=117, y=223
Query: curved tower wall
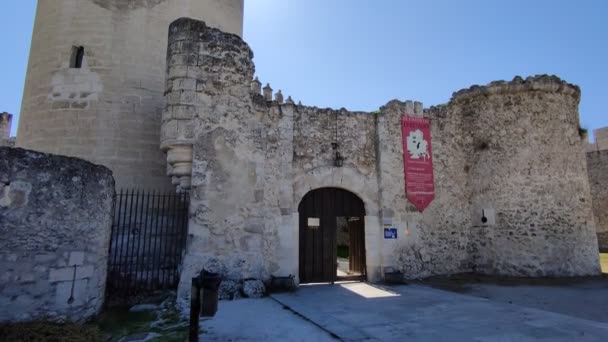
x=109, y=110
x=527, y=177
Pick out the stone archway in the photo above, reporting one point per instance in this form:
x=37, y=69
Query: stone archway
x=331, y=236
x=366, y=189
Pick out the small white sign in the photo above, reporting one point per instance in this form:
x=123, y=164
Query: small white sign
x=314, y=222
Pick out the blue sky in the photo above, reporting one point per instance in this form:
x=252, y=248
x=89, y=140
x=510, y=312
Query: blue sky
x=360, y=54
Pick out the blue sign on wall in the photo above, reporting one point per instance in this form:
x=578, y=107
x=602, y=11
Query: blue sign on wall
x=390, y=233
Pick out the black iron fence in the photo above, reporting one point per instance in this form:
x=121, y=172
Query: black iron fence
x=148, y=238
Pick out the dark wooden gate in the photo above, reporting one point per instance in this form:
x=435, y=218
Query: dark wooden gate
x=318, y=250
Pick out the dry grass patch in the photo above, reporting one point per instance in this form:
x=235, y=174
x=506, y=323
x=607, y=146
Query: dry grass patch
x=49, y=332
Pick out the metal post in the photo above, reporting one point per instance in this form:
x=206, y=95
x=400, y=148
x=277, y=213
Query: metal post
x=195, y=309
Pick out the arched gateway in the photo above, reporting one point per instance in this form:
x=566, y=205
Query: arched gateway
x=332, y=236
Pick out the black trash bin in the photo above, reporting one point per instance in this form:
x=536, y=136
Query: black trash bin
x=210, y=284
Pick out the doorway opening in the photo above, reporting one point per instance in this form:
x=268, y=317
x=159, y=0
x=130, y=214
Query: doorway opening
x=350, y=244
x=332, y=236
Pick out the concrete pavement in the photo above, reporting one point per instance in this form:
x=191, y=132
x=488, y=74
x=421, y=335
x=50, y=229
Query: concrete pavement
x=361, y=312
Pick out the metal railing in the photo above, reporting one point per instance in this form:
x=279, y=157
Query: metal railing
x=149, y=233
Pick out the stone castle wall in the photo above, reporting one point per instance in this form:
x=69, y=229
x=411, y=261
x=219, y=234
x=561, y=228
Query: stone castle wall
x=109, y=110
x=495, y=151
x=433, y=242
x=233, y=166
x=55, y=222
x=597, y=169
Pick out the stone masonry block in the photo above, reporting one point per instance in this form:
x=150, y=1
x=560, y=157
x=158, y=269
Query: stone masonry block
x=65, y=296
x=45, y=257
x=76, y=259
x=85, y=272
x=61, y=274
x=183, y=112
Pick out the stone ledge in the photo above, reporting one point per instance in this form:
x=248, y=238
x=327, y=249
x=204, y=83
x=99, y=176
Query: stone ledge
x=543, y=83
x=38, y=159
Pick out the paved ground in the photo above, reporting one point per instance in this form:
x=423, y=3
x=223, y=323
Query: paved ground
x=359, y=312
x=259, y=320
x=585, y=298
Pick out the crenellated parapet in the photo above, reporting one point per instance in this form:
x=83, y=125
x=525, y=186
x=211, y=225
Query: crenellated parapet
x=600, y=142
x=539, y=83
x=6, y=121
x=266, y=93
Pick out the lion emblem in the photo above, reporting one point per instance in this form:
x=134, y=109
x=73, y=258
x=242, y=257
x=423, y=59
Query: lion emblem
x=417, y=146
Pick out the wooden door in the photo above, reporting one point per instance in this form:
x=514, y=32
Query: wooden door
x=357, y=245
x=319, y=211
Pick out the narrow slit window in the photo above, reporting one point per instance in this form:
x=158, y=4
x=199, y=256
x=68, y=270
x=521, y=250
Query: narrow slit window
x=77, y=57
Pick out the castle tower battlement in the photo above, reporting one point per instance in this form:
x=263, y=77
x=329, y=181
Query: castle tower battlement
x=6, y=121
x=539, y=83
x=96, y=76
x=601, y=140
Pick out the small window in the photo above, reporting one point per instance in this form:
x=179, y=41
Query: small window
x=77, y=57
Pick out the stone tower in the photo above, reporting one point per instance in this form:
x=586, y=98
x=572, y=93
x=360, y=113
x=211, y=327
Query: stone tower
x=96, y=79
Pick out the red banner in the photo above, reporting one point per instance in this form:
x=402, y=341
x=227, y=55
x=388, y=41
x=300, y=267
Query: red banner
x=418, y=161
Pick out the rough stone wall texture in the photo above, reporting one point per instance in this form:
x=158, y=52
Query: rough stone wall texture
x=511, y=149
x=524, y=164
x=315, y=129
x=436, y=241
x=597, y=167
x=55, y=221
x=108, y=111
x=228, y=133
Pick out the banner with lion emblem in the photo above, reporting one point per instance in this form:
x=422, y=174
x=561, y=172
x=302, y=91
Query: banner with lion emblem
x=418, y=161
